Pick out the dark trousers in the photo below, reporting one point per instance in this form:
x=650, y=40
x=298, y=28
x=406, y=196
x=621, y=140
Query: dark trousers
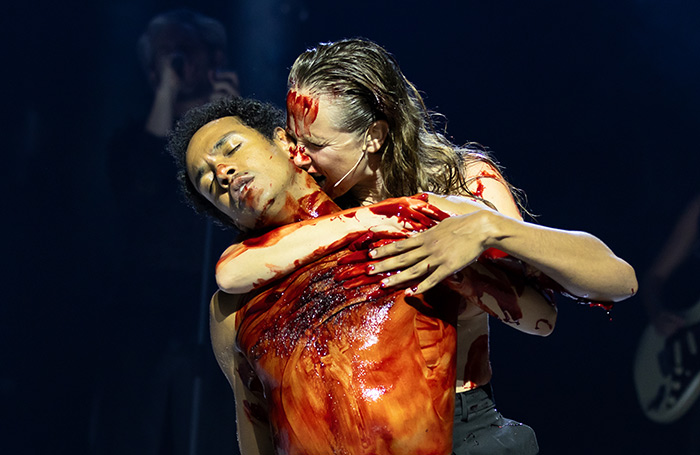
x=479, y=429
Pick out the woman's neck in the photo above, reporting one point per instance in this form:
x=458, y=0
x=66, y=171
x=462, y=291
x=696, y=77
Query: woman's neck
x=369, y=191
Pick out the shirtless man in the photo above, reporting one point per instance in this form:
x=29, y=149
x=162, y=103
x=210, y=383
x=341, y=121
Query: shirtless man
x=325, y=359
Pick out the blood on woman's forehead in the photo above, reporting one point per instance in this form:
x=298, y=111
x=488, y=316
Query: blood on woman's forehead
x=301, y=112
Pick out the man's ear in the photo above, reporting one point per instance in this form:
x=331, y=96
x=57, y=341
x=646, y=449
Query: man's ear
x=284, y=138
x=376, y=135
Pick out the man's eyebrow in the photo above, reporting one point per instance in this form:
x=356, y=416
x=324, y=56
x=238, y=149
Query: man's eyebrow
x=221, y=142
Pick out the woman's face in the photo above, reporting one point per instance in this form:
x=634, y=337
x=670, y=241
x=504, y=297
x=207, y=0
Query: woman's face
x=334, y=157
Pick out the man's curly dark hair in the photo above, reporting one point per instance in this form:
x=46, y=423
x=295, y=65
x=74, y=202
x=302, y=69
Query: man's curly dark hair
x=262, y=117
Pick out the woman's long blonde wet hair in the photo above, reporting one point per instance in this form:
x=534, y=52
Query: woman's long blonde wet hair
x=366, y=83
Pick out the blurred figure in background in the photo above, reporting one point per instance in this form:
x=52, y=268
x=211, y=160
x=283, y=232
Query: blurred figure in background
x=183, y=53
x=159, y=381
x=668, y=284
x=667, y=368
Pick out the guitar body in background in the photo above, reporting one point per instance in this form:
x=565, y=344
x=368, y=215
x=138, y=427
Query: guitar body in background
x=667, y=370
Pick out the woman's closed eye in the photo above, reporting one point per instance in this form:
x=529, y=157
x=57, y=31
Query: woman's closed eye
x=314, y=146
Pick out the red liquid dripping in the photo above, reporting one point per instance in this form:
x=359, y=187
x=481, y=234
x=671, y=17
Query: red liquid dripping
x=302, y=111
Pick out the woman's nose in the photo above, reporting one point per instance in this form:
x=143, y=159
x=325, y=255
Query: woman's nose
x=300, y=158
x=224, y=173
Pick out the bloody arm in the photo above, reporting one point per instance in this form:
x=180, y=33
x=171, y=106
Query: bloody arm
x=254, y=435
x=582, y=264
x=255, y=262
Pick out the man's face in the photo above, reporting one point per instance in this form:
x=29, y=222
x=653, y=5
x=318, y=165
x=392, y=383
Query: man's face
x=245, y=175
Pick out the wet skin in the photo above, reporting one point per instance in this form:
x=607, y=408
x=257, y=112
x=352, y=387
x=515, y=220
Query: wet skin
x=331, y=328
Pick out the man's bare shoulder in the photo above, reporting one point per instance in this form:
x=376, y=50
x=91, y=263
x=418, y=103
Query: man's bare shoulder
x=222, y=318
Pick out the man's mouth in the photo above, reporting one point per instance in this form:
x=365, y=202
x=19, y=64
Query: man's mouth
x=240, y=186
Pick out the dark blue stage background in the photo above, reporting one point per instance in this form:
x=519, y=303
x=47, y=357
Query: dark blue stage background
x=593, y=107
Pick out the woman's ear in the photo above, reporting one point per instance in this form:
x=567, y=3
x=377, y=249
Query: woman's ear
x=375, y=136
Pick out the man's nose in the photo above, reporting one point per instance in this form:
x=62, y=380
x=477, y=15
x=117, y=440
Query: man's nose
x=224, y=174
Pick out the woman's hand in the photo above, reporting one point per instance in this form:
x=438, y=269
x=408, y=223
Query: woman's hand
x=579, y=262
x=437, y=253
x=402, y=214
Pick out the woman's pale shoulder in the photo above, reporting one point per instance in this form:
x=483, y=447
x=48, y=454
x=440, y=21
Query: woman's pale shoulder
x=485, y=181
x=479, y=167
